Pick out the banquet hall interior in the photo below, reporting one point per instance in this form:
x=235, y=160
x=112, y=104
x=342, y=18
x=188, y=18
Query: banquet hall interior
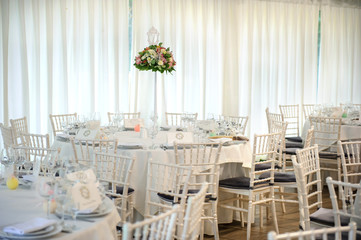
x=180, y=119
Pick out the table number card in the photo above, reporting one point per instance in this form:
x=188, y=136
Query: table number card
x=85, y=133
x=86, y=196
x=179, y=137
x=131, y=123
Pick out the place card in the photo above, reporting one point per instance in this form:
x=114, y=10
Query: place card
x=179, y=137
x=207, y=125
x=131, y=123
x=87, y=175
x=86, y=197
x=87, y=134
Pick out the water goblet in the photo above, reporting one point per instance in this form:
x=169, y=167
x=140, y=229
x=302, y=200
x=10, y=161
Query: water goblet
x=45, y=188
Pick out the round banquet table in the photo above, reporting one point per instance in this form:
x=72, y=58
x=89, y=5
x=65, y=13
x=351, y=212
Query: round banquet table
x=24, y=204
x=235, y=160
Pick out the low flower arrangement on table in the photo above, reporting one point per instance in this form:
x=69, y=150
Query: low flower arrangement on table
x=155, y=58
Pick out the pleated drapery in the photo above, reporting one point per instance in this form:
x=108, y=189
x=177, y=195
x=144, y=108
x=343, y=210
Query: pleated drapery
x=234, y=57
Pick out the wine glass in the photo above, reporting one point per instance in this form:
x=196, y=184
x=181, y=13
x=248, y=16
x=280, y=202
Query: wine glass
x=152, y=132
x=7, y=161
x=60, y=195
x=45, y=188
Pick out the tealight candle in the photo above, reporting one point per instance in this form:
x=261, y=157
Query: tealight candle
x=137, y=128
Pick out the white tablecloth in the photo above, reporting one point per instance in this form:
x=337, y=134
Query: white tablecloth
x=348, y=132
x=24, y=204
x=234, y=159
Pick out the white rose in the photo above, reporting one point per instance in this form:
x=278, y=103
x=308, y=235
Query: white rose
x=163, y=51
x=148, y=59
x=160, y=62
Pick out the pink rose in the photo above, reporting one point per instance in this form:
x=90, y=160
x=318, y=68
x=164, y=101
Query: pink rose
x=138, y=60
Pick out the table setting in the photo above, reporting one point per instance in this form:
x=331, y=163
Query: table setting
x=68, y=204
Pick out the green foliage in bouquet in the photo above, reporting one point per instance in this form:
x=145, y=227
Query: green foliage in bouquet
x=155, y=58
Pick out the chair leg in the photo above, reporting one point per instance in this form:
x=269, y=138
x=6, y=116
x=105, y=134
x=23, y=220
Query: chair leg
x=281, y=190
x=261, y=213
x=215, y=220
x=249, y=220
x=274, y=215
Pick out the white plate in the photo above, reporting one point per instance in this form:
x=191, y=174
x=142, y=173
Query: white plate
x=57, y=229
x=104, y=209
x=39, y=232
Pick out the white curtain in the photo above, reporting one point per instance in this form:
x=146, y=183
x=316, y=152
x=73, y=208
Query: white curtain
x=233, y=57
x=340, y=59
x=61, y=57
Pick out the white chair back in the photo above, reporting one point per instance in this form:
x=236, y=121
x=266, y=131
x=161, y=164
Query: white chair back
x=308, y=176
x=321, y=234
x=237, y=121
x=42, y=161
x=8, y=136
x=161, y=227
x=57, y=121
x=115, y=171
x=19, y=125
x=291, y=114
x=192, y=218
x=350, y=160
x=35, y=140
x=347, y=204
x=84, y=149
x=326, y=133
x=167, y=181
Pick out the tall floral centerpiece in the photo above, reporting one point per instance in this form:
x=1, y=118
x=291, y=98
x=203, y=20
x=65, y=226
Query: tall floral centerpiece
x=155, y=58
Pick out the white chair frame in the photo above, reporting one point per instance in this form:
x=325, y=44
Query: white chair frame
x=266, y=144
x=8, y=136
x=348, y=203
x=203, y=158
x=192, y=219
x=350, y=153
x=291, y=114
x=58, y=120
x=84, y=149
x=116, y=171
x=239, y=121
x=19, y=125
x=316, y=233
x=161, y=227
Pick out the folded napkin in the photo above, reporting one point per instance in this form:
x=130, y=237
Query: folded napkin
x=29, y=226
x=29, y=178
x=221, y=140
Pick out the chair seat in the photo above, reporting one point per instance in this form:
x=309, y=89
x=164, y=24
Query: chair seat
x=290, y=151
x=280, y=176
x=119, y=190
x=170, y=198
x=294, y=139
x=294, y=145
x=265, y=166
x=328, y=155
x=238, y=183
x=325, y=216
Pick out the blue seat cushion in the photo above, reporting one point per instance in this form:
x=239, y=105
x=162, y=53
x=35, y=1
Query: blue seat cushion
x=294, y=145
x=294, y=139
x=265, y=166
x=280, y=176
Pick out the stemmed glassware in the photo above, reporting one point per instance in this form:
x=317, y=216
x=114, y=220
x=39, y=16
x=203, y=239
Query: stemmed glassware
x=45, y=188
x=7, y=161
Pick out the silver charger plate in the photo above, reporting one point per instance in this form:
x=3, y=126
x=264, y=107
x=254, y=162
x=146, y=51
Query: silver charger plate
x=46, y=234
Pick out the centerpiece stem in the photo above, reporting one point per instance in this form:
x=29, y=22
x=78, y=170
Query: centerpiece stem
x=155, y=94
